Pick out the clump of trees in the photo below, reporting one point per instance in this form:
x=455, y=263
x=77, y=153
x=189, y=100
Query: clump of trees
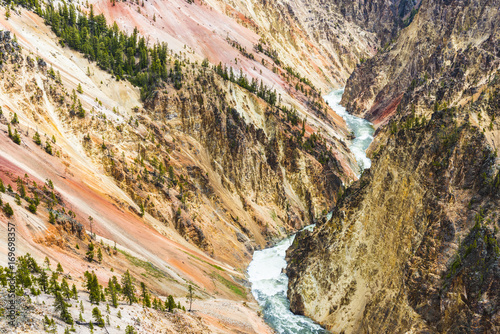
x=32, y=277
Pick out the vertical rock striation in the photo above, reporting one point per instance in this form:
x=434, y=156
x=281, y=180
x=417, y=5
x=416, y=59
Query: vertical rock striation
x=413, y=245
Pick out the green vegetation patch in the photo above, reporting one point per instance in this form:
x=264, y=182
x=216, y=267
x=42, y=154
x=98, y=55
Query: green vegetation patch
x=210, y=264
x=232, y=286
x=150, y=268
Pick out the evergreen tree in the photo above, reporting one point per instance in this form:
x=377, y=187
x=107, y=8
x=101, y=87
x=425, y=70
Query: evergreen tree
x=53, y=285
x=36, y=139
x=14, y=119
x=93, y=287
x=62, y=307
x=90, y=252
x=43, y=280
x=7, y=209
x=59, y=268
x=113, y=292
x=146, y=300
x=20, y=187
x=66, y=292
x=99, y=254
x=74, y=292
x=170, y=303
x=130, y=330
x=190, y=290
x=32, y=208
x=96, y=314
x=23, y=273
x=48, y=147
x=128, y=287
x=52, y=218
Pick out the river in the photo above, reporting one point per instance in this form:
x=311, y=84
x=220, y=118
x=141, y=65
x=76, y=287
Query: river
x=265, y=272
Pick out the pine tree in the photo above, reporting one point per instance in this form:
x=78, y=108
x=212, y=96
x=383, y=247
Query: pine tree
x=146, y=300
x=36, y=138
x=61, y=306
x=16, y=138
x=99, y=254
x=23, y=273
x=128, y=288
x=2, y=187
x=96, y=314
x=103, y=296
x=14, y=119
x=65, y=289
x=130, y=330
x=170, y=303
x=48, y=147
x=53, y=285
x=74, y=292
x=59, y=268
x=20, y=187
x=93, y=287
x=32, y=208
x=90, y=252
x=52, y=218
x=113, y=293
x=7, y=209
x=43, y=280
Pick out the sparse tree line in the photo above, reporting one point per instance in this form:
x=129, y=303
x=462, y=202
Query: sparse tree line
x=130, y=57
x=16, y=137
x=147, y=67
x=31, y=280
x=34, y=195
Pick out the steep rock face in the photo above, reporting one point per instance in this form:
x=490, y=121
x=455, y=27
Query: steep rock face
x=441, y=34
x=332, y=36
x=305, y=33
x=207, y=146
x=380, y=17
x=260, y=163
x=413, y=245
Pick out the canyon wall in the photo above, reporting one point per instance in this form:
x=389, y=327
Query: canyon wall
x=413, y=245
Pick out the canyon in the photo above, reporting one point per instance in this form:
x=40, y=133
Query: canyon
x=182, y=138
x=413, y=245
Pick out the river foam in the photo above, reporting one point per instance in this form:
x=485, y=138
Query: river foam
x=266, y=271
x=361, y=128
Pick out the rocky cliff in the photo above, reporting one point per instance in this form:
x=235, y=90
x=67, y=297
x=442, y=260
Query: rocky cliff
x=191, y=176
x=413, y=245
x=445, y=39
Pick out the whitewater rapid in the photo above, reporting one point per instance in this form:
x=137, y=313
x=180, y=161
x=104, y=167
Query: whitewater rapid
x=269, y=287
x=361, y=128
x=265, y=272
